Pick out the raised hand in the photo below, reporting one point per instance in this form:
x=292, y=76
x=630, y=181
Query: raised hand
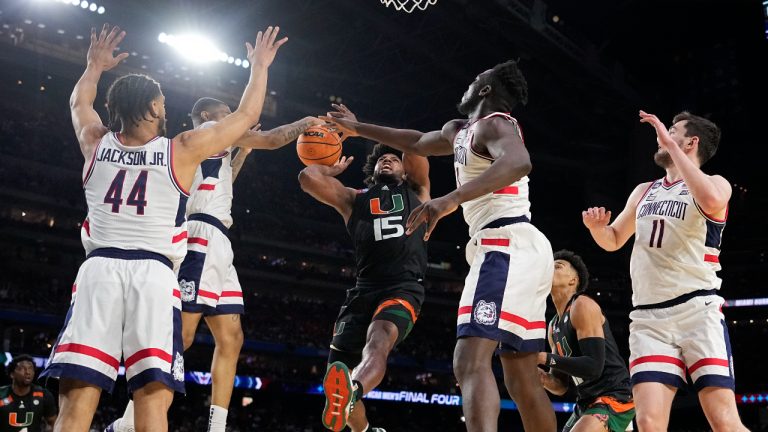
x=263, y=51
x=596, y=217
x=342, y=120
x=103, y=46
x=430, y=213
x=662, y=133
x=341, y=165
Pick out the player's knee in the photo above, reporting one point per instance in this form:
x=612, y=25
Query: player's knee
x=231, y=341
x=381, y=340
x=188, y=337
x=725, y=421
x=650, y=422
x=467, y=366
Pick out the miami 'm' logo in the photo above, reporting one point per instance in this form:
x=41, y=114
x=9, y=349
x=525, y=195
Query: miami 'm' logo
x=397, y=201
x=29, y=417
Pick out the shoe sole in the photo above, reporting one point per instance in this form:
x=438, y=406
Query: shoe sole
x=337, y=387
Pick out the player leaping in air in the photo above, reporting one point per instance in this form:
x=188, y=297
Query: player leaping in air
x=136, y=183
x=504, y=298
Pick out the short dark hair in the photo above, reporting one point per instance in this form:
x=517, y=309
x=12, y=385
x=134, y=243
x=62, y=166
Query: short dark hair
x=508, y=78
x=370, y=162
x=129, y=99
x=204, y=104
x=706, y=130
x=18, y=359
x=578, y=264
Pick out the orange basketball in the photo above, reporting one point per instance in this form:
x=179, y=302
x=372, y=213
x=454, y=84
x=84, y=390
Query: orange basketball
x=318, y=145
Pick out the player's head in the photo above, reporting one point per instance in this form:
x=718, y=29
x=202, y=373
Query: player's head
x=209, y=109
x=693, y=134
x=571, y=274
x=383, y=165
x=504, y=85
x=22, y=370
x=133, y=99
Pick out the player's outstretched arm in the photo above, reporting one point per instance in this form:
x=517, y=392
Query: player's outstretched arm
x=320, y=182
x=197, y=145
x=612, y=237
x=587, y=319
x=711, y=193
x=435, y=143
x=278, y=137
x=511, y=162
x=88, y=126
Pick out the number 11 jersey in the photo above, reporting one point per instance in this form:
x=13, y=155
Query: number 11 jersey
x=134, y=199
x=677, y=245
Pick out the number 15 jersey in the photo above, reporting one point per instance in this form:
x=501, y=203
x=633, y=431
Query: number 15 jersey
x=677, y=245
x=384, y=254
x=134, y=199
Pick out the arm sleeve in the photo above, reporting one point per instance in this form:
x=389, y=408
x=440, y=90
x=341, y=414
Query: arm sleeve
x=588, y=366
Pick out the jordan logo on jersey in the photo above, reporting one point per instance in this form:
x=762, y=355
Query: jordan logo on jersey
x=397, y=201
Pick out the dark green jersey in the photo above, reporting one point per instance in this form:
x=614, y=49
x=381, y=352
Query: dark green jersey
x=25, y=413
x=614, y=381
x=384, y=254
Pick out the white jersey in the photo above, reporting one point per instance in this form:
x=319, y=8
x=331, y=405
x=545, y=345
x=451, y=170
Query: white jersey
x=212, y=187
x=469, y=163
x=677, y=245
x=134, y=200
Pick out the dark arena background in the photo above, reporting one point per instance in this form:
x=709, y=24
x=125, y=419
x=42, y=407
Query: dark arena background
x=590, y=65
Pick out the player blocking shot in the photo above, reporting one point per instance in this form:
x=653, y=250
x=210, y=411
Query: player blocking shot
x=677, y=327
x=135, y=235
x=207, y=278
x=503, y=302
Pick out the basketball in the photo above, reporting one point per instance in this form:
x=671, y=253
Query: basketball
x=318, y=145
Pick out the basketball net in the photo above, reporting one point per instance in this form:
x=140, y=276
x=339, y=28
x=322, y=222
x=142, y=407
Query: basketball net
x=409, y=6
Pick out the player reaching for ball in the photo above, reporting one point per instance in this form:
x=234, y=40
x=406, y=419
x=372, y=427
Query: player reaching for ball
x=207, y=278
x=382, y=308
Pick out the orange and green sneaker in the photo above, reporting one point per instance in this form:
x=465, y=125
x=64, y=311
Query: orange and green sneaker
x=339, y=396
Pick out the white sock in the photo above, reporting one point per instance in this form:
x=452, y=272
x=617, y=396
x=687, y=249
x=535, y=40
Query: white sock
x=125, y=424
x=217, y=420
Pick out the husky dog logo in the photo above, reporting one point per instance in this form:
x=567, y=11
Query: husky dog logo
x=485, y=313
x=187, y=290
x=178, y=367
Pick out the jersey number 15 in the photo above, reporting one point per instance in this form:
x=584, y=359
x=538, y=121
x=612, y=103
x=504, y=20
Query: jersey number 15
x=382, y=228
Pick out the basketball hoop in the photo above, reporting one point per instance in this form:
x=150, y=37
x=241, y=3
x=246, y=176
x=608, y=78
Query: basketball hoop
x=408, y=5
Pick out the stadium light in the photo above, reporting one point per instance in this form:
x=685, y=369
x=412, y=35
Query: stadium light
x=199, y=49
x=193, y=47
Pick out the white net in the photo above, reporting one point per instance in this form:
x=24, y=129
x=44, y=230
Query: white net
x=409, y=6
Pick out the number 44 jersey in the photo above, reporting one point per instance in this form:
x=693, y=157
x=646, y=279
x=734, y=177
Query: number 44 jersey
x=383, y=252
x=134, y=199
x=677, y=245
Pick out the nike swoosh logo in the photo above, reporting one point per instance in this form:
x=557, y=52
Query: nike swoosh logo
x=707, y=303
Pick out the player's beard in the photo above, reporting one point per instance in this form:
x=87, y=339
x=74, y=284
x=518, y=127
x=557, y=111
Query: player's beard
x=466, y=107
x=662, y=159
x=388, y=178
x=161, y=130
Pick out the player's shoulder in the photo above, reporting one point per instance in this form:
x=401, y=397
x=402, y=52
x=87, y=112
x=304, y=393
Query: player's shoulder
x=584, y=306
x=452, y=127
x=207, y=125
x=639, y=191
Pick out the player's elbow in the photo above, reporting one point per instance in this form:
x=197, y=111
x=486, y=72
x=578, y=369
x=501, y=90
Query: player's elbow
x=307, y=178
